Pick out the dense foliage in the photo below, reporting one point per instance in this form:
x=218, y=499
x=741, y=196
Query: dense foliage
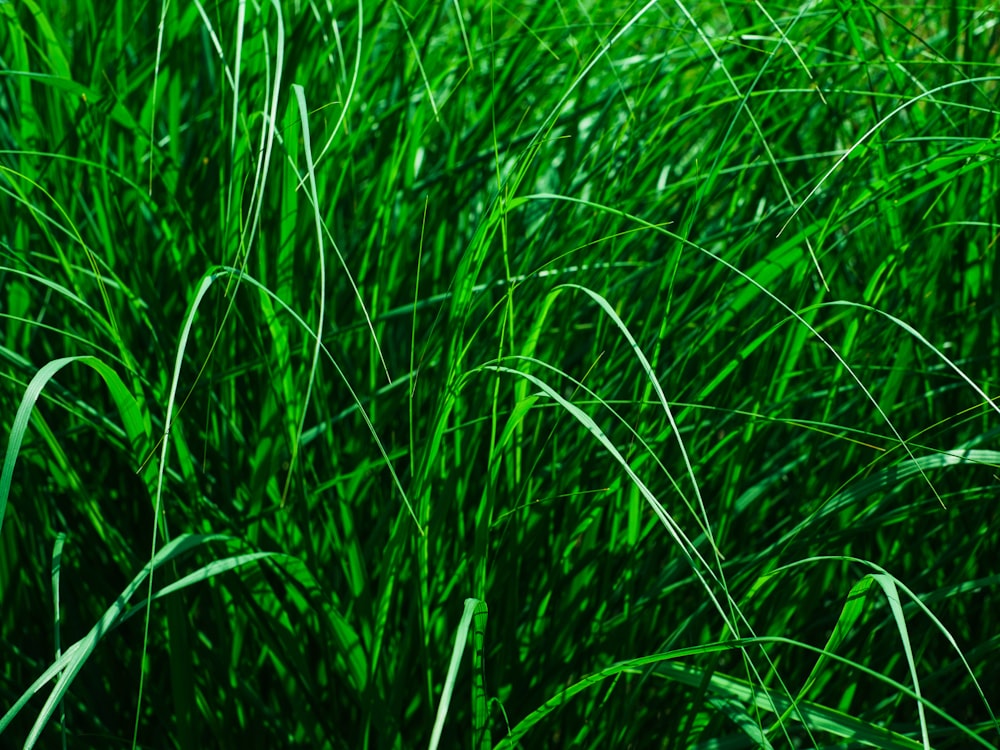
x=627, y=368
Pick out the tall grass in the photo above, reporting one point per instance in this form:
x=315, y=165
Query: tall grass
x=477, y=374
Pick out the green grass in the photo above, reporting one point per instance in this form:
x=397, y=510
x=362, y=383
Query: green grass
x=499, y=375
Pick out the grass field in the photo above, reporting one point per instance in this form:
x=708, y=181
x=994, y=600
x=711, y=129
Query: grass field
x=468, y=374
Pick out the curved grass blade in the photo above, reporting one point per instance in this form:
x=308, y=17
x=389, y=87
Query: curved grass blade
x=817, y=716
x=699, y=565
x=127, y=408
x=74, y=658
x=891, y=586
x=754, y=282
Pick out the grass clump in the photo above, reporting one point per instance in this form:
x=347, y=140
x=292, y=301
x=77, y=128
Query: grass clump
x=594, y=375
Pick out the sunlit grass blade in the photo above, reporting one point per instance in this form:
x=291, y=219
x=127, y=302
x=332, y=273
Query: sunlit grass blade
x=127, y=409
x=473, y=608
